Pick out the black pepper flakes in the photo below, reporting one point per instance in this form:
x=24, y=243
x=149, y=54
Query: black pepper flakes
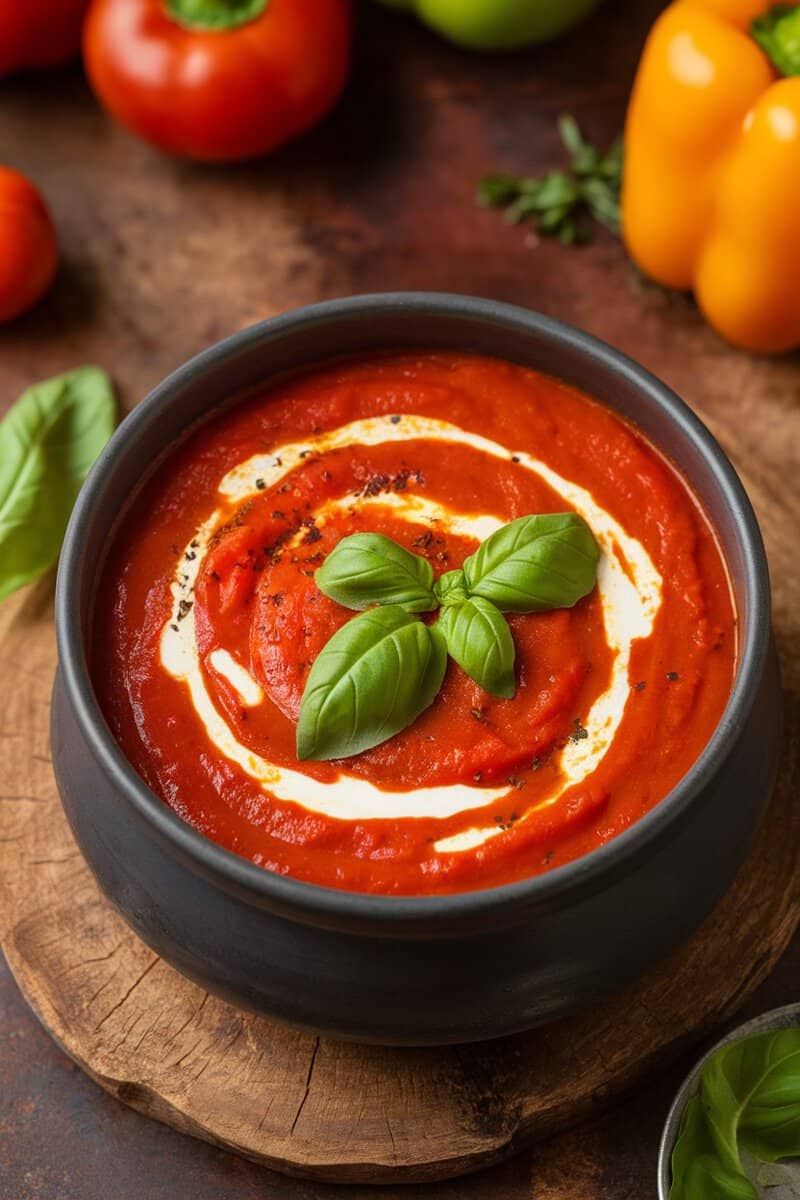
x=673, y=676
x=375, y=485
x=395, y=420
x=261, y=484
x=184, y=608
x=578, y=734
x=640, y=686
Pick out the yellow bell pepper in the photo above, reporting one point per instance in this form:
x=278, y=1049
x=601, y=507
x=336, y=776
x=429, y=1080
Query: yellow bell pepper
x=711, y=188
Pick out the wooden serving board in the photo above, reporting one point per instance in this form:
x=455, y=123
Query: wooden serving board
x=306, y=1105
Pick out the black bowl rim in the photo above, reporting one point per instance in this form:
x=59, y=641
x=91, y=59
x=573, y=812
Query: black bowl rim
x=313, y=903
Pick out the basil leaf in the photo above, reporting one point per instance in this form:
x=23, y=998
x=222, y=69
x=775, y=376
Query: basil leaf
x=368, y=568
x=748, y=1101
x=535, y=563
x=451, y=587
x=697, y=1171
x=479, y=639
x=48, y=441
x=372, y=679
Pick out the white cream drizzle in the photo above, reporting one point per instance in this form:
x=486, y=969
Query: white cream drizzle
x=629, y=605
x=247, y=689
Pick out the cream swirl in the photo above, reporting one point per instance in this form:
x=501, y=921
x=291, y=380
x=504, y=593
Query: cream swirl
x=629, y=587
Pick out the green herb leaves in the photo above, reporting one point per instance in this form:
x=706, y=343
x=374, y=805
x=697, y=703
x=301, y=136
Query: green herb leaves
x=478, y=638
x=558, y=201
x=535, y=563
x=48, y=441
x=382, y=669
x=373, y=678
x=368, y=569
x=748, y=1101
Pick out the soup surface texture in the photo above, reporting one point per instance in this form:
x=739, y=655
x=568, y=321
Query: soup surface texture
x=208, y=620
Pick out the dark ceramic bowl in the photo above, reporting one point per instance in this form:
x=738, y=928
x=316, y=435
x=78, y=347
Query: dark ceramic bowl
x=422, y=969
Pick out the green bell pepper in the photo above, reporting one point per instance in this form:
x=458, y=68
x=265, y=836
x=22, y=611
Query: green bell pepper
x=497, y=24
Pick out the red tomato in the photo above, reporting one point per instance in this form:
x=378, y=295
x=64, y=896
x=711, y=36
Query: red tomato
x=218, y=94
x=39, y=33
x=28, y=247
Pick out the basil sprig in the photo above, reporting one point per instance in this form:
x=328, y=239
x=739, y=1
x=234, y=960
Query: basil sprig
x=382, y=669
x=373, y=678
x=534, y=564
x=747, y=1104
x=478, y=638
x=48, y=441
x=368, y=568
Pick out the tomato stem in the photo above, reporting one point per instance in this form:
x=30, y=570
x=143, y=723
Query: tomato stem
x=214, y=16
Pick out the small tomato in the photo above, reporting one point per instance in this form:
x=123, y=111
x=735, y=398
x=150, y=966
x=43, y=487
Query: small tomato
x=218, y=80
x=497, y=24
x=28, y=247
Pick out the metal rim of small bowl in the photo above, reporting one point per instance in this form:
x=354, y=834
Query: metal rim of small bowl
x=312, y=903
x=786, y=1017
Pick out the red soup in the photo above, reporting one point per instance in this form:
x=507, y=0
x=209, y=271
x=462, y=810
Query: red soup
x=209, y=620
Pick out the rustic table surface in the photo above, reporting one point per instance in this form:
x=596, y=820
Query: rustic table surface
x=161, y=258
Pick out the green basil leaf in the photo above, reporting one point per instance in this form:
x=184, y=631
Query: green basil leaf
x=479, y=639
x=368, y=568
x=451, y=587
x=372, y=679
x=48, y=441
x=748, y=1102
x=535, y=563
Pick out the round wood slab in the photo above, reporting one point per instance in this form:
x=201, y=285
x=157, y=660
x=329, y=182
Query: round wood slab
x=307, y=1105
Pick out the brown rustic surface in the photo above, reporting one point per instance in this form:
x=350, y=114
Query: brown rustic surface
x=162, y=258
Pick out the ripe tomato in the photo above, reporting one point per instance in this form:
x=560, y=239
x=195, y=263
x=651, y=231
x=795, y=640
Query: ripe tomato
x=39, y=33
x=28, y=247
x=218, y=80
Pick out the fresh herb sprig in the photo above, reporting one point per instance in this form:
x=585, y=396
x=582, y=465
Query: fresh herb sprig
x=382, y=669
x=560, y=201
x=747, y=1104
x=48, y=441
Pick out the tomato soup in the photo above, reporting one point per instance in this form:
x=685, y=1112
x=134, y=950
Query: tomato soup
x=208, y=620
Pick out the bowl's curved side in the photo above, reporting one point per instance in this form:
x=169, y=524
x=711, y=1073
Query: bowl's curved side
x=365, y=324
x=420, y=990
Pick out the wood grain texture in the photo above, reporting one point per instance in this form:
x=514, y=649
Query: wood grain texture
x=308, y=1105
x=159, y=259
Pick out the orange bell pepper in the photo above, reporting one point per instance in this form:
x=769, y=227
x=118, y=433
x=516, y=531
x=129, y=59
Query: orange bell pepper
x=711, y=188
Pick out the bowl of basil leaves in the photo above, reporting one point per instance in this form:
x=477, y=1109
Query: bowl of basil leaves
x=733, y=1131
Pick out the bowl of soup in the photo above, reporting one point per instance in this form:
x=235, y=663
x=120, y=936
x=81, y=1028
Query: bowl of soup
x=496, y=856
